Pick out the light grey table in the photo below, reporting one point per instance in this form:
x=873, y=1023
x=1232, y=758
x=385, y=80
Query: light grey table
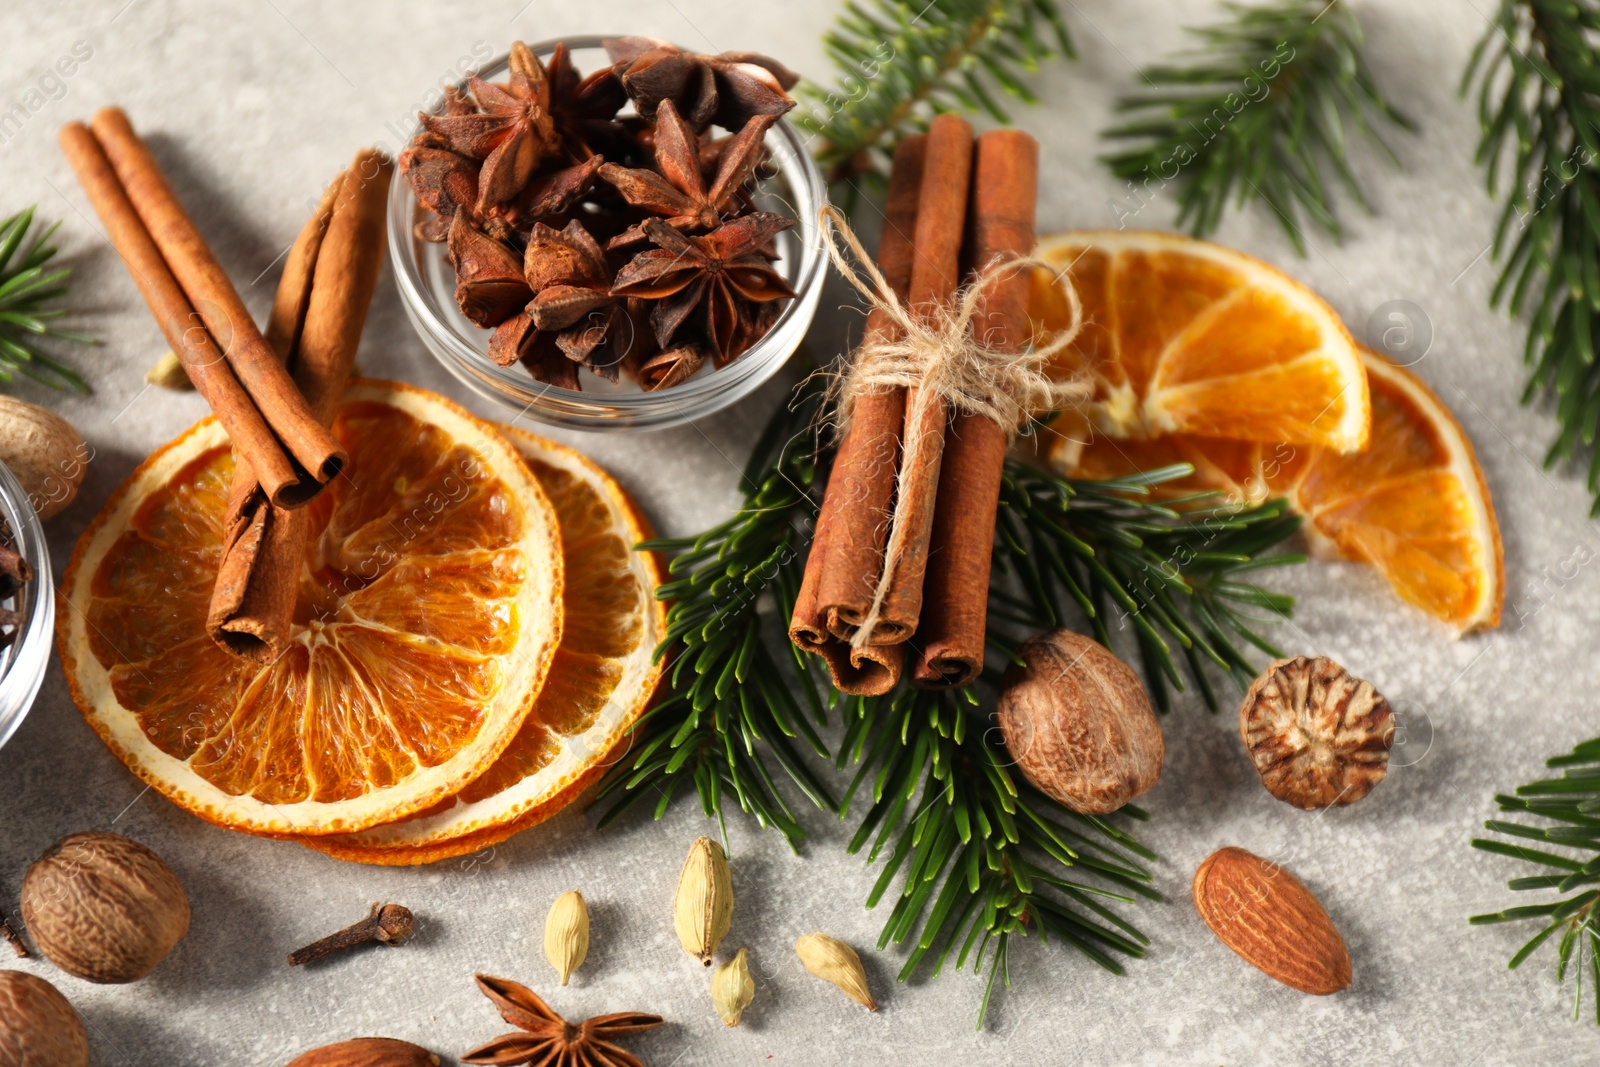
x=252, y=106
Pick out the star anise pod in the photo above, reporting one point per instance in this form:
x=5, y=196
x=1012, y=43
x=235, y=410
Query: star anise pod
x=726, y=89
x=445, y=182
x=548, y=1040
x=570, y=305
x=679, y=192
x=666, y=368
x=585, y=109
x=14, y=573
x=716, y=277
x=512, y=133
x=571, y=283
x=490, y=287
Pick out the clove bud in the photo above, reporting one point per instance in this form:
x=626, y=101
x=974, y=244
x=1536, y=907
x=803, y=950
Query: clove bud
x=389, y=924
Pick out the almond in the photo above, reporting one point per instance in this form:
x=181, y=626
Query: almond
x=367, y=1052
x=1271, y=920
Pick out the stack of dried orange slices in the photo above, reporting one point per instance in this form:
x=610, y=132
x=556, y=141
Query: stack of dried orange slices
x=1203, y=355
x=473, y=637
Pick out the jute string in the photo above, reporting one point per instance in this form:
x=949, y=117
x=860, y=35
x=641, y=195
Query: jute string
x=933, y=352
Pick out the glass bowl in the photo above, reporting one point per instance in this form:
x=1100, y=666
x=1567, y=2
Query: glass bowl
x=22, y=665
x=427, y=290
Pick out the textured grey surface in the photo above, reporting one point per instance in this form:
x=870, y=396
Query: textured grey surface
x=251, y=106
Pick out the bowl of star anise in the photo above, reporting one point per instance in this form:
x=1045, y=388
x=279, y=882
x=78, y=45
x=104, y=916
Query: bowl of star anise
x=636, y=246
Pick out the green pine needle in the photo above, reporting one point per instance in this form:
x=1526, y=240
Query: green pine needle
x=1263, y=110
x=1181, y=581
x=1570, y=805
x=900, y=64
x=1536, y=75
x=28, y=311
x=971, y=857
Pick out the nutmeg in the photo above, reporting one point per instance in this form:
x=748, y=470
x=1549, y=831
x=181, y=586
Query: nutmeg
x=1078, y=723
x=103, y=907
x=45, y=453
x=1318, y=736
x=38, y=1027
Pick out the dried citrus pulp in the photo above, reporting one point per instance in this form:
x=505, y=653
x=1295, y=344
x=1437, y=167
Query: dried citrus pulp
x=1185, y=336
x=598, y=685
x=429, y=614
x=1402, y=491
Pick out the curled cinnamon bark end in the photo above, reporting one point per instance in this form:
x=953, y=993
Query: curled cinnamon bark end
x=847, y=552
x=954, y=614
x=315, y=326
x=218, y=306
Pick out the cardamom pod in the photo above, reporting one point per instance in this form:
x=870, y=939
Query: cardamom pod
x=566, y=934
x=732, y=988
x=168, y=373
x=703, y=907
x=836, y=962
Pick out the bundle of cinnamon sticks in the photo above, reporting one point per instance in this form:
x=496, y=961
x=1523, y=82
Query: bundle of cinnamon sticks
x=274, y=394
x=956, y=207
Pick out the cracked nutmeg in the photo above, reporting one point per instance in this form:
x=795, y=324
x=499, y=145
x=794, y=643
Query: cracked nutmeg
x=1319, y=736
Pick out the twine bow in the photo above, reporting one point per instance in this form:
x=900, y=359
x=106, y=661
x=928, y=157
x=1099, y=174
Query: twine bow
x=935, y=353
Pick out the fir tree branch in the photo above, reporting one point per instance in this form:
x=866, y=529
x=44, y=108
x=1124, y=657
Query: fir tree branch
x=1263, y=110
x=1570, y=804
x=734, y=702
x=1182, y=580
x=978, y=857
x=900, y=64
x=1538, y=98
x=28, y=293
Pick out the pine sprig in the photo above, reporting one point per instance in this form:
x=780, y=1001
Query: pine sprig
x=731, y=704
x=1264, y=110
x=900, y=64
x=1570, y=808
x=1182, y=580
x=1538, y=95
x=28, y=292
x=978, y=856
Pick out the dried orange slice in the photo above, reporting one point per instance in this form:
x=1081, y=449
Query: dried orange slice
x=599, y=684
x=429, y=612
x=1184, y=336
x=1414, y=504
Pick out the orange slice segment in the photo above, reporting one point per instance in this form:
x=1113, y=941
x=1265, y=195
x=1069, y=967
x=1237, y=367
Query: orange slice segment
x=1185, y=336
x=1414, y=504
x=428, y=614
x=599, y=684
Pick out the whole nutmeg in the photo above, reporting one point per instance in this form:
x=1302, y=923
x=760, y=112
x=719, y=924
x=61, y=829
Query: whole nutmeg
x=38, y=1027
x=1318, y=736
x=367, y=1052
x=45, y=453
x=103, y=907
x=1078, y=723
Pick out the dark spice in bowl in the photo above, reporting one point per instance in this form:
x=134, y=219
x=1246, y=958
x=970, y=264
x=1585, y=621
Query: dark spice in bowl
x=586, y=234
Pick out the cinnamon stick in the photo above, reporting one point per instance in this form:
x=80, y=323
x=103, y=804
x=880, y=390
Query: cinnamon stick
x=210, y=372
x=216, y=302
x=935, y=272
x=315, y=327
x=847, y=545
x=950, y=635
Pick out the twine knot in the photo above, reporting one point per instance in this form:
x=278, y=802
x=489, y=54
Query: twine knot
x=936, y=353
